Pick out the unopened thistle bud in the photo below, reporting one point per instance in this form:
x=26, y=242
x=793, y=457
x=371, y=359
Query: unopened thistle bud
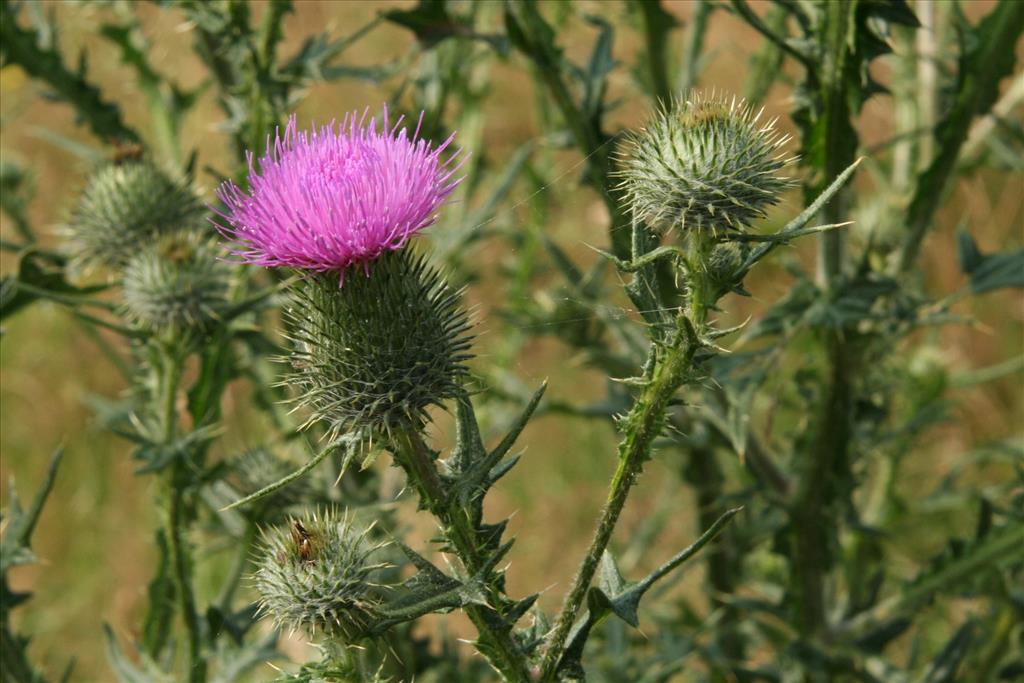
x=704, y=164
x=177, y=283
x=376, y=353
x=319, y=572
x=724, y=267
x=123, y=208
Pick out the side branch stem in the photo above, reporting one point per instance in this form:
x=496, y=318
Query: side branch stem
x=643, y=425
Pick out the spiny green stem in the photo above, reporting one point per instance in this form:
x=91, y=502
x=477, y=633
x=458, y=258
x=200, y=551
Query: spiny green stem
x=642, y=426
x=814, y=534
x=415, y=457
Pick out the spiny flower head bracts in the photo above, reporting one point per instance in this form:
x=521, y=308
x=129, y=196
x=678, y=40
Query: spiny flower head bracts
x=319, y=572
x=341, y=195
x=706, y=163
x=123, y=208
x=378, y=352
x=177, y=283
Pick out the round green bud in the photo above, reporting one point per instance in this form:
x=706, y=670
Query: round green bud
x=707, y=163
x=124, y=207
x=375, y=353
x=177, y=283
x=319, y=572
x=725, y=265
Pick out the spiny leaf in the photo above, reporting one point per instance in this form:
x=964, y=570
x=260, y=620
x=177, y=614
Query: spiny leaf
x=347, y=441
x=22, y=47
x=989, y=272
x=146, y=671
x=19, y=524
x=987, y=56
x=433, y=22
x=613, y=595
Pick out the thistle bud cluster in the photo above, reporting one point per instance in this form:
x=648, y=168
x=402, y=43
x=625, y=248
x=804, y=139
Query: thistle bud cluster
x=704, y=164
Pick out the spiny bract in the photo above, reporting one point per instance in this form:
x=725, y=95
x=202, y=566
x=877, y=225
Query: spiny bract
x=123, y=208
x=318, y=572
x=704, y=164
x=177, y=283
x=376, y=353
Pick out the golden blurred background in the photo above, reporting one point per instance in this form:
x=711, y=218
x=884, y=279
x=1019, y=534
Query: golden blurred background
x=95, y=536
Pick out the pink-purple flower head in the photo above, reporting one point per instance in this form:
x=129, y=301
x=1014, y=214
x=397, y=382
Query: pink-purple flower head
x=341, y=195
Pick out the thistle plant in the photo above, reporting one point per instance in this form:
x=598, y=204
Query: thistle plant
x=378, y=335
x=275, y=365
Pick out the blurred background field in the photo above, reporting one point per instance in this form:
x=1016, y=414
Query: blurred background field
x=95, y=535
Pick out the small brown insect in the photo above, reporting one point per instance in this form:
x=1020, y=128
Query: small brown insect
x=126, y=151
x=303, y=541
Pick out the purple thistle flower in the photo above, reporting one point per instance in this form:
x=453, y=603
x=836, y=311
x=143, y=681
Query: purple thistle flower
x=327, y=199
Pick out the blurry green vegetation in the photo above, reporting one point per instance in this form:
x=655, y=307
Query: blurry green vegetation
x=95, y=535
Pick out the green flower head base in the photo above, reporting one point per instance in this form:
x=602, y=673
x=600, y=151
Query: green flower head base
x=123, y=208
x=375, y=354
x=318, y=573
x=177, y=283
x=706, y=163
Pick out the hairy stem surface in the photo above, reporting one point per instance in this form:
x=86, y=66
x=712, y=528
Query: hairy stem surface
x=643, y=425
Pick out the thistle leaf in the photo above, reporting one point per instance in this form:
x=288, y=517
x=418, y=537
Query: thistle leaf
x=614, y=595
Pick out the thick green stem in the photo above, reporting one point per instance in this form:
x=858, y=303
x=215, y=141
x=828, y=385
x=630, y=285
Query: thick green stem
x=643, y=425
x=177, y=514
x=839, y=138
x=814, y=535
x=415, y=457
